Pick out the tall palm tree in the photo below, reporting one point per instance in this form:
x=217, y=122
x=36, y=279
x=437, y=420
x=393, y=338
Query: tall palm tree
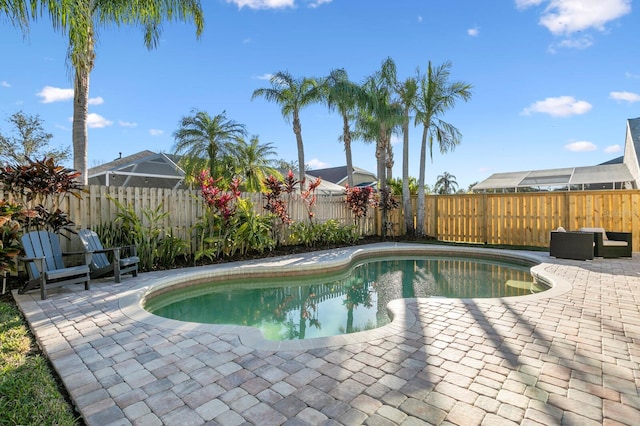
x=79, y=20
x=343, y=95
x=380, y=115
x=407, y=92
x=436, y=95
x=253, y=163
x=446, y=184
x=378, y=118
x=292, y=94
x=202, y=139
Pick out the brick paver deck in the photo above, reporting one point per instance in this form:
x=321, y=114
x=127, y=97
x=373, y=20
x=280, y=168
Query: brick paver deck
x=570, y=356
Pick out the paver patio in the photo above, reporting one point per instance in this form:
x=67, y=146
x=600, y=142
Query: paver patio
x=567, y=356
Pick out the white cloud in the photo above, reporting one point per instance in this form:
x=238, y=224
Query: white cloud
x=5, y=84
x=317, y=164
x=613, y=149
x=54, y=94
x=318, y=3
x=562, y=106
x=96, y=121
x=566, y=17
x=156, y=132
x=631, y=75
x=127, y=123
x=625, y=96
x=473, y=32
x=96, y=101
x=523, y=4
x=583, y=42
x=395, y=140
x=263, y=4
x=264, y=77
x=580, y=146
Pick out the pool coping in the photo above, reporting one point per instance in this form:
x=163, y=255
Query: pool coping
x=131, y=301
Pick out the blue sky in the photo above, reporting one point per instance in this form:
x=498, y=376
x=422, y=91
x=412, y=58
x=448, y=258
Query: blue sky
x=554, y=80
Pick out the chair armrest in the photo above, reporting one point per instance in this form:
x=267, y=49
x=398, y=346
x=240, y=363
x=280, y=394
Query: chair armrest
x=133, y=249
x=29, y=259
x=620, y=236
x=75, y=253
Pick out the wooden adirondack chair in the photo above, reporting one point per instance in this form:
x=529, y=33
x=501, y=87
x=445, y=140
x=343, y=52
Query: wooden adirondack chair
x=100, y=265
x=44, y=264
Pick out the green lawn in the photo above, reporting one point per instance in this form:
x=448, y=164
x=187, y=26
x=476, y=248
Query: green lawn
x=29, y=393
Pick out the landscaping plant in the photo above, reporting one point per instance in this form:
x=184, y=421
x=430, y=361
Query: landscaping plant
x=229, y=224
x=154, y=247
x=40, y=187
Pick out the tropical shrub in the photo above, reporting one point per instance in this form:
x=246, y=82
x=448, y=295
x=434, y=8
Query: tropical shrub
x=329, y=233
x=229, y=224
x=359, y=199
x=40, y=187
x=154, y=247
x=276, y=204
x=11, y=216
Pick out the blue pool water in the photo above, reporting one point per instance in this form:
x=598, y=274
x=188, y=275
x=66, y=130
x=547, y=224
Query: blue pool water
x=290, y=308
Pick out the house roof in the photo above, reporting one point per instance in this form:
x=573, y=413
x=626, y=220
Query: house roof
x=614, y=171
x=143, y=169
x=338, y=174
x=325, y=187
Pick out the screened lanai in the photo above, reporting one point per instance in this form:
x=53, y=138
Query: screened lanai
x=145, y=169
x=619, y=173
x=609, y=176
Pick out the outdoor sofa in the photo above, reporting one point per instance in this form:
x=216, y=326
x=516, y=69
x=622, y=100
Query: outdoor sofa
x=571, y=245
x=610, y=244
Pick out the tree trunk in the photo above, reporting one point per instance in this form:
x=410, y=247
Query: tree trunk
x=79, y=133
x=381, y=153
x=406, y=195
x=420, y=208
x=346, y=136
x=297, y=129
x=389, y=161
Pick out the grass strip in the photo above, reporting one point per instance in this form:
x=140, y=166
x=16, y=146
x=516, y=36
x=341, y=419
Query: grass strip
x=29, y=393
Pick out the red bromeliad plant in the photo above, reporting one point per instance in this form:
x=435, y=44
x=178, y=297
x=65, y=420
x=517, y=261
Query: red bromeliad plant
x=40, y=186
x=273, y=196
x=309, y=197
x=359, y=199
x=275, y=204
x=224, y=202
x=217, y=226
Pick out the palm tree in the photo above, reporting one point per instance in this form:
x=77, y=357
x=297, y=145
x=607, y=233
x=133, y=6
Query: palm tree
x=343, y=95
x=253, y=163
x=201, y=139
x=378, y=118
x=407, y=93
x=380, y=115
x=446, y=184
x=80, y=20
x=292, y=94
x=18, y=12
x=436, y=95
x=397, y=186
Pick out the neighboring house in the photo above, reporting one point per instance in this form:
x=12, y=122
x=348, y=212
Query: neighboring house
x=618, y=173
x=145, y=169
x=326, y=187
x=338, y=175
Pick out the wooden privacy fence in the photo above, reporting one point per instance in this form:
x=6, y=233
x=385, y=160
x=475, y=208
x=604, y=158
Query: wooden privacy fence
x=185, y=207
x=526, y=219
x=518, y=219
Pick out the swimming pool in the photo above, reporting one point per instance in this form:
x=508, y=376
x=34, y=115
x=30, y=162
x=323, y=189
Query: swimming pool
x=341, y=300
